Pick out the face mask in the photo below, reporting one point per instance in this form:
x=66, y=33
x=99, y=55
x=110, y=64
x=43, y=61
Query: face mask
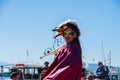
x=69, y=33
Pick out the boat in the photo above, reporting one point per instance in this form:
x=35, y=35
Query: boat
x=114, y=75
x=29, y=71
x=5, y=72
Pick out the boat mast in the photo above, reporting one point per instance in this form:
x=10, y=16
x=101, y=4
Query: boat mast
x=27, y=56
x=103, y=55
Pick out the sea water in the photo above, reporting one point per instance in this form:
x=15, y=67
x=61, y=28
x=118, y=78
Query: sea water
x=5, y=78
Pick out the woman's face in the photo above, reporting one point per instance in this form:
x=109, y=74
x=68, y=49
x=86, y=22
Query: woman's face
x=69, y=35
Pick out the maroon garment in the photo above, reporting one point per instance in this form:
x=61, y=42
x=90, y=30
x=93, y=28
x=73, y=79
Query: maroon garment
x=67, y=65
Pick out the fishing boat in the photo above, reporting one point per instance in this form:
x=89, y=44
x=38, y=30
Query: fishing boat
x=114, y=75
x=28, y=71
x=5, y=72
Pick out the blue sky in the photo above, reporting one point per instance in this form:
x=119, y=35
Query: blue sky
x=27, y=24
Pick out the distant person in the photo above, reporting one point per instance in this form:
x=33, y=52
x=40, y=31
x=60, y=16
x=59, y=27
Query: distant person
x=14, y=76
x=44, y=69
x=20, y=74
x=102, y=72
x=68, y=63
x=46, y=65
x=91, y=76
x=84, y=74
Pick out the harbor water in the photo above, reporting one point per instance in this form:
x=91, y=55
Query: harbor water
x=5, y=78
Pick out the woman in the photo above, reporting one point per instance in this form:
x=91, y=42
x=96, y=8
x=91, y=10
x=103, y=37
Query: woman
x=68, y=63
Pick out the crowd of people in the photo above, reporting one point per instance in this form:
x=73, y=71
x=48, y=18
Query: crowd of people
x=102, y=73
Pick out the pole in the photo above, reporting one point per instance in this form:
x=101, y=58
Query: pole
x=27, y=56
x=110, y=65
x=103, y=57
